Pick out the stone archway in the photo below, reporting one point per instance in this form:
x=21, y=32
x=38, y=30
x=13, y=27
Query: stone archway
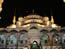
x=35, y=45
x=34, y=35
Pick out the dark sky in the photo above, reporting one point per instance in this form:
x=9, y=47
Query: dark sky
x=24, y=7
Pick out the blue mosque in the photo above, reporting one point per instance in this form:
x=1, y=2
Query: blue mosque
x=32, y=32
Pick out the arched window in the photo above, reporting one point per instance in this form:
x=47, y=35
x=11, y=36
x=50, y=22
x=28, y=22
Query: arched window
x=44, y=39
x=23, y=39
x=63, y=38
x=56, y=39
x=12, y=40
x=2, y=39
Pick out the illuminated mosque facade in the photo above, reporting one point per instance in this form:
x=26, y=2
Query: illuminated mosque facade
x=32, y=32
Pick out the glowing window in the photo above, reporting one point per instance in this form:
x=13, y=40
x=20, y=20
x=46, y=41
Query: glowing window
x=12, y=39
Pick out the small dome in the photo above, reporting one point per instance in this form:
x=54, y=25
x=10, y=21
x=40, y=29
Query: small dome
x=46, y=18
x=20, y=19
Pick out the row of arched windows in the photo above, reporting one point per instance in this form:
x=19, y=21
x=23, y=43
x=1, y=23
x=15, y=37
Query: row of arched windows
x=12, y=40
x=56, y=39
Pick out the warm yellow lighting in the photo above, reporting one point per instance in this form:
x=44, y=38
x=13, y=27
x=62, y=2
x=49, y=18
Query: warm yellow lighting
x=33, y=16
x=41, y=25
x=33, y=20
x=48, y=23
x=63, y=0
x=19, y=23
x=26, y=25
x=37, y=20
x=46, y=18
x=20, y=19
x=1, y=1
x=14, y=19
x=11, y=26
x=52, y=20
x=0, y=5
x=54, y=25
x=28, y=21
x=0, y=9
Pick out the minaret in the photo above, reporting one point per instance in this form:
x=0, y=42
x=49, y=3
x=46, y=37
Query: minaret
x=53, y=25
x=52, y=20
x=14, y=20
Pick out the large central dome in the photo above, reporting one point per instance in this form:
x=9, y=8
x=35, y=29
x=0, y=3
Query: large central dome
x=33, y=19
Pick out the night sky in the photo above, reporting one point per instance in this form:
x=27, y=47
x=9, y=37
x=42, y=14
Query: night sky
x=24, y=7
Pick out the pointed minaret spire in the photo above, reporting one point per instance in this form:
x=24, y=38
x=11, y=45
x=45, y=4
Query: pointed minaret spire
x=14, y=18
x=52, y=20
